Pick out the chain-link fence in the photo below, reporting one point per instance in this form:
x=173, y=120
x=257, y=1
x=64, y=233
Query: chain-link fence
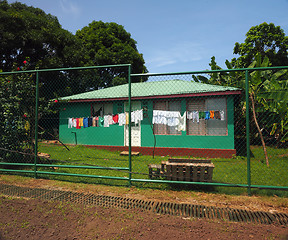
x=91, y=125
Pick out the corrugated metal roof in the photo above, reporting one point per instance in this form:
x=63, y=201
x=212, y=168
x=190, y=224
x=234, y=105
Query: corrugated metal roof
x=149, y=89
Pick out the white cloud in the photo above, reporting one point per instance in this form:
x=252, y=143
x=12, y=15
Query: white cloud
x=181, y=52
x=69, y=7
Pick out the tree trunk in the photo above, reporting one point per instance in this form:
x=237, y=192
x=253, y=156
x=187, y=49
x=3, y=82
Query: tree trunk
x=259, y=130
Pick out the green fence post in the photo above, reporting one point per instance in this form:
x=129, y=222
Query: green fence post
x=129, y=103
x=248, y=132
x=36, y=124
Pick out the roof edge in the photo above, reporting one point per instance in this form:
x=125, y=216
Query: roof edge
x=222, y=93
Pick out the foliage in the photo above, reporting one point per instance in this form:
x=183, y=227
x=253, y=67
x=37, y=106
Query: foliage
x=269, y=90
x=267, y=40
x=31, y=37
x=15, y=127
x=17, y=119
x=274, y=99
x=110, y=44
x=29, y=32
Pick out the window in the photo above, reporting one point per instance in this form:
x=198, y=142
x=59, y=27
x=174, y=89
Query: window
x=212, y=126
x=194, y=127
x=101, y=109
x=163, y=129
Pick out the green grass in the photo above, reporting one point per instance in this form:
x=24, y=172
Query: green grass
x=232, y=171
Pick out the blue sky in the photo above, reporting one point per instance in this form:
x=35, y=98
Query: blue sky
x=173, y=36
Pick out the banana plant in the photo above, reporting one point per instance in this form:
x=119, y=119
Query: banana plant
x=257, y=85
x=275, y=100
x=268, y=92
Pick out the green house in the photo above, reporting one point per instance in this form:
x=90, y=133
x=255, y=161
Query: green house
x=174, y=117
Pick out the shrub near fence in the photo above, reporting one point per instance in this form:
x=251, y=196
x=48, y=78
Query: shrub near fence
x=93, y=126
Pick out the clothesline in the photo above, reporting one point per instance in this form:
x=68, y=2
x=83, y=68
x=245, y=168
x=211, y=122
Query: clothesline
x=170, y=118
x=107, y=120
x=212, y=114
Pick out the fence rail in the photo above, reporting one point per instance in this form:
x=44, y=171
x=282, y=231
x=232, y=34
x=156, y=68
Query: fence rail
x=102, y=122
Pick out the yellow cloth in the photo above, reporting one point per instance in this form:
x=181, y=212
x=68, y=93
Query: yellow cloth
x=80, y=122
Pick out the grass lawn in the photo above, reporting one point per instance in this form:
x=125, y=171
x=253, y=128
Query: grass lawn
x=232, y=171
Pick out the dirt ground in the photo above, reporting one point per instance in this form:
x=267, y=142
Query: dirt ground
x=34, y=219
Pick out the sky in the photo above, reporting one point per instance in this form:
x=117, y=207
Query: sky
x=173, y=36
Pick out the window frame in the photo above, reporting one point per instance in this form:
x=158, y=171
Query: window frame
x=105, y=108
x=165, y=130
x=204, y=122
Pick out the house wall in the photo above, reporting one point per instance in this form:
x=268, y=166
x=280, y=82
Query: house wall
x=189, y=141
x=114, y=135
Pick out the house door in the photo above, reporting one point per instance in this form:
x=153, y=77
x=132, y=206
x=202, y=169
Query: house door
x=135, y=128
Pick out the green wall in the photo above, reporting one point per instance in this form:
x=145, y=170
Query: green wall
x=114, y=135
x=189, y=141
x=111, y=136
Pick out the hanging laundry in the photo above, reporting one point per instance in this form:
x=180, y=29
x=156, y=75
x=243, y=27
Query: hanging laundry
x=81, y=122
x=201, y=115
x=156, y=117
x=132, y=116
x=106, y=121
x=195, y=116
x=173, y=118
x=74, y=122
x=115, y=118
x=78, y=123
x=90, y=121
x=212, y=114
x=222, y=117
x=138, y=116
x=207, y=115
x=94, y=122
x=182, y=123
x=101, y=121
x=85, y=122
x=122, y=119
x=159, y=117
x=70, y=122
x=97, y=121
x=110, y=120
x=217, y=115
x=190, y=115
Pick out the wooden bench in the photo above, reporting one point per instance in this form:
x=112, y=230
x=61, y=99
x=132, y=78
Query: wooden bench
x=190, y=170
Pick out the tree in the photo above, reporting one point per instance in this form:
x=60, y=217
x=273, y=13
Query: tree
x=267, y=40
x=30, y=32
x=14, y=123
x=268, y=93
x=109, y=44
x=17, y=118
x=268, y=90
